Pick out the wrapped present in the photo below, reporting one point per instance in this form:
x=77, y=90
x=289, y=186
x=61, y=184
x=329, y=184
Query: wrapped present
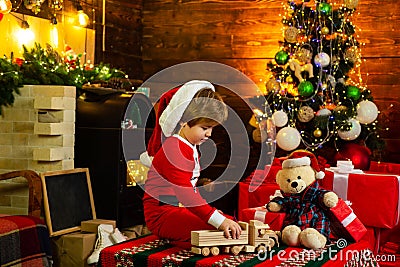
x=249, y=198
x=385, y=167
x=374, y=197
x=273, y=219
x=344, y=222
x=262, y=176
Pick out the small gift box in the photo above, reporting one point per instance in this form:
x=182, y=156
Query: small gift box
x=256, y=198
x=344, y=222
x=273, y=219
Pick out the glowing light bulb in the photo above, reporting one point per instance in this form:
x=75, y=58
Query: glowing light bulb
x=25, y=35
x=54, y=36
x=5, y=6
x=82, y=19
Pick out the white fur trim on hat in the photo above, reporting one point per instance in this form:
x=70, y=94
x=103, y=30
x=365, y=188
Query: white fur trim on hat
x=172, y=114
x=297, y=162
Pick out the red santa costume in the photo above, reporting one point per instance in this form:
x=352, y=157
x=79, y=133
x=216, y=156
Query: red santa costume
x=173, y=174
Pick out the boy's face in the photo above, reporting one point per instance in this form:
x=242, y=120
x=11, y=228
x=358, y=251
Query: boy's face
x=199, y=133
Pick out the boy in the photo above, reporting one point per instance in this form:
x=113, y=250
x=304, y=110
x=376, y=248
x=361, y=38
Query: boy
x=187, y=121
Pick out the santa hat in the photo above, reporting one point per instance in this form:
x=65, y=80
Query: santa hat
x=303, y=158
x=172, y=105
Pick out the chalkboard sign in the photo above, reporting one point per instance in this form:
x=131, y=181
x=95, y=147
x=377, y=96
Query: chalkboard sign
x=68, y=200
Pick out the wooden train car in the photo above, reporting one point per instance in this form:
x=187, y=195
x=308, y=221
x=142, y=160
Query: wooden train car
x=255, y=236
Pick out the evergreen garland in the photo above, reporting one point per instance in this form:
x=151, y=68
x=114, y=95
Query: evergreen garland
x=47, y=67
x=10, y=81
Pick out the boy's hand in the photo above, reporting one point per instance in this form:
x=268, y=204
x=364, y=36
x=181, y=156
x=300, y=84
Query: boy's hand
x=231, y=229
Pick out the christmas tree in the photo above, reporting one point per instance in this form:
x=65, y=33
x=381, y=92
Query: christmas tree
x=316, y=94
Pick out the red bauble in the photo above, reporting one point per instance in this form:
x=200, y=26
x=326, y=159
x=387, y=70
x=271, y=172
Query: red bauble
x=1, y=16
x=358, y=154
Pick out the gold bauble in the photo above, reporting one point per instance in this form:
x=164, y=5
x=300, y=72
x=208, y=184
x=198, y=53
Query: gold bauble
x=325, y=30
x=317, y=133
x=289, y=79
x=272, y=85
x=291, y=34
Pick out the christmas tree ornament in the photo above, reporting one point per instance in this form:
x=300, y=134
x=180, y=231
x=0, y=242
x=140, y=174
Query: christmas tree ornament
x=272, y=85
x=323, y=112
x=305, y=114
x=353, y=92
x=354, y=131
x=289, y=79
x=1, y=16
x=325, y=8
x=282, y=57
x=5, y=7
x=367, y=112
x=291, y=34
x=351, y=4
x=304, y=55
x=317, y=133
x=330, y=106
x=325, y=30
x=322, y=59
x=259, y=135
x=306, y=89
x=288, y=138
x=359, y=155
x=351, y=54
x=298, y=69
x=280, y=118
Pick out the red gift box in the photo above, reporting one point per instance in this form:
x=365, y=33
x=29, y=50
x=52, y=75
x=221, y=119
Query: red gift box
x=344, y=222
x=251, y=199
x=385, y=167
x=273, y=219
x=374, y=197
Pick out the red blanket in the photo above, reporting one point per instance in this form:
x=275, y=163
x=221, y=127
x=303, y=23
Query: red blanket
x=24, y=241
x=153, y=252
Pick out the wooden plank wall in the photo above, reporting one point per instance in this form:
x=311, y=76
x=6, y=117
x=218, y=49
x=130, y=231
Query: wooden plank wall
x=244, y=34
x=122, y=43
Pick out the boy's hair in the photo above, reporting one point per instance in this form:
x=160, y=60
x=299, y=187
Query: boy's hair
x=206, y=106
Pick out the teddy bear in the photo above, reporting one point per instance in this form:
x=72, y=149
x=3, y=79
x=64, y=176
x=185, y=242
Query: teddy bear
x=303, y=201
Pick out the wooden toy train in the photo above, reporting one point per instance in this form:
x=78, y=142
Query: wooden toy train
x=255, y=237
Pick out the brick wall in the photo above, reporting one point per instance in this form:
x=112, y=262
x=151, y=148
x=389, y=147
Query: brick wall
x=26, y=143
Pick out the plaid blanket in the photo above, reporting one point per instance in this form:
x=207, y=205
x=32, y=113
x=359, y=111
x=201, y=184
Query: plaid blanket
x=153, y=252
x=24, y=241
